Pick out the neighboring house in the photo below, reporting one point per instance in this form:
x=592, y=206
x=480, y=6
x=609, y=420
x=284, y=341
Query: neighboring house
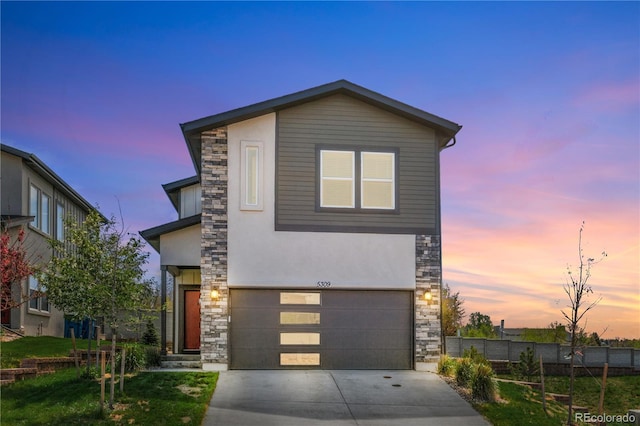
x=309, y=236
x=35, y=198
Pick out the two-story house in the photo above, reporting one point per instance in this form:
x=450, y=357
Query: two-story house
x=34, y=198
x=309, y=236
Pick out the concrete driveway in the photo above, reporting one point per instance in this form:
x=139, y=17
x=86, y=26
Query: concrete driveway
x=313, y=397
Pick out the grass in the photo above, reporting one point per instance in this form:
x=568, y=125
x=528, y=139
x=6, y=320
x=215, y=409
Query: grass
x=11, y=353
x=522, y=405
x=150, y=398
x=621, y=393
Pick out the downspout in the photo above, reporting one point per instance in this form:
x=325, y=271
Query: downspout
x=449, y=146
x=442, y=335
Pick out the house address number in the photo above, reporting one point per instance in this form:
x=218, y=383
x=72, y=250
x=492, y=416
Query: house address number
x=323, y=284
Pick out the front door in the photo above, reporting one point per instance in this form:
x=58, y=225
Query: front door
x=192, y=320
x=6, y=317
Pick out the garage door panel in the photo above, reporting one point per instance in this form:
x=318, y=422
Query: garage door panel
x=255, y=338
x=250, y=317
x=347, y=330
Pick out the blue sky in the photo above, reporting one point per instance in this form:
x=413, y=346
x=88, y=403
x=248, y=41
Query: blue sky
x=548, y=94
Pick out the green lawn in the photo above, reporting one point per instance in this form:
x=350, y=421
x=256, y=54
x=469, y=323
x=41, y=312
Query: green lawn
x=150, y=398
x=11, y=353
x=621, y=393
x=521, y=405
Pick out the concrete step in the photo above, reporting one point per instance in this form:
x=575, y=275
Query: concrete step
x=180, y=361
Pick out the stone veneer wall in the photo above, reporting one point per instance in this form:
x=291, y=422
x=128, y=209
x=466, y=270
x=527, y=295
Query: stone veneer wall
x=428, y=279
x=213, y=262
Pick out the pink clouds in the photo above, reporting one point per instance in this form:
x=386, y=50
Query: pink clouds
x=611, y=97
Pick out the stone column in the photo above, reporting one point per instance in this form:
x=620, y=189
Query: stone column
x=213, y=262
x=428, y=342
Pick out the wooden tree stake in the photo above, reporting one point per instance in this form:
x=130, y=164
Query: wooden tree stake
x=544, y=398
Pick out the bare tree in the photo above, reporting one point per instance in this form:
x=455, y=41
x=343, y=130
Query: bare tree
x=577, y=288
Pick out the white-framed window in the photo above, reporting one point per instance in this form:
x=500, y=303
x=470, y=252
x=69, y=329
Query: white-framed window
x=39, y=208
x=357, y=179
x=190, y=201
x=60, y=221
x=337, y=179
x=251, y=175
x=377, y=180
x=37, y=296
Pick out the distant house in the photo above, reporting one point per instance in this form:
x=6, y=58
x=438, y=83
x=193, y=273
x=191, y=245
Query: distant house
x=33, y=197
x=309, y=236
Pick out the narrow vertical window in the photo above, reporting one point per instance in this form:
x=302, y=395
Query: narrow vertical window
x=60, y=222
x=377, y=180
x=34, y=205
x=251, y=177
x=45, y=213
x=337, y=179
x=33, y=293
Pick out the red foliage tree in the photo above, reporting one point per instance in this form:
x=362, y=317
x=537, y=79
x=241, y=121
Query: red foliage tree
x=14, y=267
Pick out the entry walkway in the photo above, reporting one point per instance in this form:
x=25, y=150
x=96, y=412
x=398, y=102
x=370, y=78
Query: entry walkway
x=313, y=397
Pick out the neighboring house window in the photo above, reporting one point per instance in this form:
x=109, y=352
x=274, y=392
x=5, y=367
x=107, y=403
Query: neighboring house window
x=37, y=297
x=190, y=201
x=39, y=206
x=251, y=175
x=357, y=179
x=60, y=222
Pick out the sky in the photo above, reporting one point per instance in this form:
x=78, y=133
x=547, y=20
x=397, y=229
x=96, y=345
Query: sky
x=548, y=95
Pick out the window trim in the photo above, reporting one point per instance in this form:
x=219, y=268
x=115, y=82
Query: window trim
x=244, y=176
x=358, y=150
x=60, y=212
x=351, y=179
x=39, y=298
x=38, y=215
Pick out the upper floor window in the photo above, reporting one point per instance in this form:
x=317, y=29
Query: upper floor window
x=190, y=201
x=39, y=207
x=355, y=179
x=60, y=222
x=251, y=175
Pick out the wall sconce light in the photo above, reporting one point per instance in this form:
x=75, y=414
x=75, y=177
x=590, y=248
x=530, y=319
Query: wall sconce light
x=215, y=295
x=428, y=297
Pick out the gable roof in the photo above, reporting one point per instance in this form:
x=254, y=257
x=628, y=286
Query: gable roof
x=43, y=170
x=152, y=235
x=172, y=189
x=192, y=129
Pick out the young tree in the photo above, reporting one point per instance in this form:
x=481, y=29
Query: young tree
x=452, y=311
x=14, y=268
x=479, y=325
x=577, y=288
x=97, y=272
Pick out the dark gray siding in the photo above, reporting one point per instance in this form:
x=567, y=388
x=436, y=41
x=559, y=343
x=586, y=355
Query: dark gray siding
x=338, y=121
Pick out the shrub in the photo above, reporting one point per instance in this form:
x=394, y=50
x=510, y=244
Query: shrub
x=446, y=365
x=475, y=356
x=134, y=358
x=90, y=374
x=527, y=368
x=150, y=336
x=464, y=372
x=483, y=384
x=152, y=356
